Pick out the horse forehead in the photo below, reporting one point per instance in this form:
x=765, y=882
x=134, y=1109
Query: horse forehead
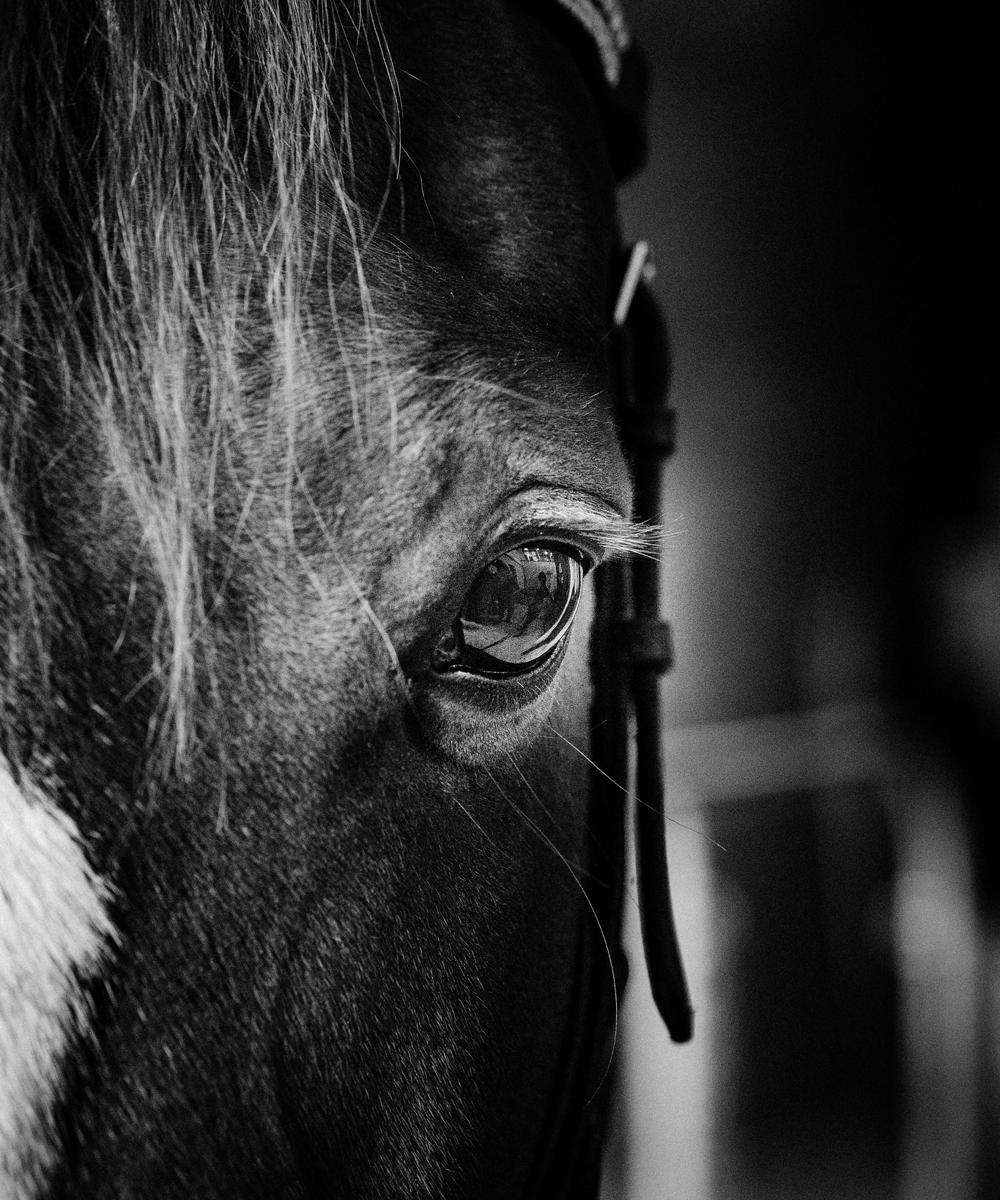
x=504, y=159
x=446, y=462
x=501, y=245
x=470, y=456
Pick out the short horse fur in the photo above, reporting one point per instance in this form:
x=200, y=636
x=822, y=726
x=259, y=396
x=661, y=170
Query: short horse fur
x=305, y=313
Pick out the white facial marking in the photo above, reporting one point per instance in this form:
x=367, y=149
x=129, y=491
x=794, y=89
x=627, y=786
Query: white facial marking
x=54, y=929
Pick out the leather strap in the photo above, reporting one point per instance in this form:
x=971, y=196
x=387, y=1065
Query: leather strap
x=647, y=428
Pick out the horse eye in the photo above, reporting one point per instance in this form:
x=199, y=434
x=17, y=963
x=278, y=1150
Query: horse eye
x=518, y=610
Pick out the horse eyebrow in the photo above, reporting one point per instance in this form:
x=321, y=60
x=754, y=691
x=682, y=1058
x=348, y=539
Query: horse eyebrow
x=596, y=521
x=620, y=537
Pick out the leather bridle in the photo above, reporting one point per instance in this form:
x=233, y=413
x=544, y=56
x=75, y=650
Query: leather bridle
x=642, y=646
x=630, y=649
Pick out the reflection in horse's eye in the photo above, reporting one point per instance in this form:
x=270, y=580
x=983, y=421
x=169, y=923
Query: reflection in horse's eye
x=518, y=610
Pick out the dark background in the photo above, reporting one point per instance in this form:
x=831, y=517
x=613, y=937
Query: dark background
x=817, y=197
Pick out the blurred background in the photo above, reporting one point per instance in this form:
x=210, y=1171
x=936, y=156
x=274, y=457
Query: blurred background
x=816, y=198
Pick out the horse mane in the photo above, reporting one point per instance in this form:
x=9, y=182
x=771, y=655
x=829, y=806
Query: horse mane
x=174, y=179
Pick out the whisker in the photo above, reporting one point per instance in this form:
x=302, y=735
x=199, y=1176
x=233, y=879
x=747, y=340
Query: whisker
x=578, y=871
x=503, y=850
x=547, y=841
x=631, y=795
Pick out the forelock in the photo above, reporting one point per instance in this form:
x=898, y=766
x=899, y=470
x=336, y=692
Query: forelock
x=187, y=189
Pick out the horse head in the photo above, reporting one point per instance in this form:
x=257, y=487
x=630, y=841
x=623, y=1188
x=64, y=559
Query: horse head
x=308, y=448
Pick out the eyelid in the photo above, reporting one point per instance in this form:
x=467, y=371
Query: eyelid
x=554, y=515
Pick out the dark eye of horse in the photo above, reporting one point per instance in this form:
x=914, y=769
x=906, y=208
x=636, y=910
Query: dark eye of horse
x=519, y=609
